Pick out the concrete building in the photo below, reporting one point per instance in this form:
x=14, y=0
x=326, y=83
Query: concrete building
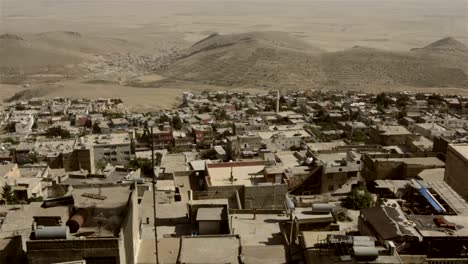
x=434, y=237
x=119, y=124
x=389, y=135
x=104, y=224
x=183, y=139
x=244, y=128
x=236, y=145
x=247, y=184
x=398, y=166
x=339, y=168
x=285, y=139
x=456, y=168
x=432, y=130
x=204, y=135
x=163, y=137
x=115, y=149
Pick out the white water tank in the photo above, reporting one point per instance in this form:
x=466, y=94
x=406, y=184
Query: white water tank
x=322, y=208
x=52, y=232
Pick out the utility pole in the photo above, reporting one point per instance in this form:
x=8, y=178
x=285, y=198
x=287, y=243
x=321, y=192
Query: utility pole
x=154, y=196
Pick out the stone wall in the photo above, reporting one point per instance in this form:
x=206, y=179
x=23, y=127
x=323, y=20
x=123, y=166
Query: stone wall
x=265, y=196
x=60, y=250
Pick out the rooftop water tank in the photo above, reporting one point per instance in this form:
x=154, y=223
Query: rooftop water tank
x=365, y=253
x=77, y=220
x=52, y=232
x=322, y=208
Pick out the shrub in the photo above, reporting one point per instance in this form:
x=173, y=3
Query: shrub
x=358, y=199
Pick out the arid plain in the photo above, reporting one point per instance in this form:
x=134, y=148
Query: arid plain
x=142, y=51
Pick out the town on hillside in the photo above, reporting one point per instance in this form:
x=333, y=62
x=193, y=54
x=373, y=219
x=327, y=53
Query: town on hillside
x=293, y=177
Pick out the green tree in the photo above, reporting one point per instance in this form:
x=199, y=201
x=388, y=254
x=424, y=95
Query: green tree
x=382, y=100
x=88, y=123
x=143, y=164
x=359, y=136
x=402, y=101
x=435, y=100
x=227, y=133
x=58, y=132
x=221, y=114
x=302, y=110
x=164, y=119
x=208, y=154
x=204, y=109
x=358, y=199
x=251, y=112
x=96, y=129
x=158, y=159
x=8, y=194
x=176, y=123
x=11, y=141
x=101, y=165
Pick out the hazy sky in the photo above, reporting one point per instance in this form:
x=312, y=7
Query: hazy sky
x=331, y=24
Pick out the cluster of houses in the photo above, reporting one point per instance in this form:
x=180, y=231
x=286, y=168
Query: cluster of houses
x=305, y=176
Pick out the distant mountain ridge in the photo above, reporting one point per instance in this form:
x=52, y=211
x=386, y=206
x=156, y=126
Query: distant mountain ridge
x=277, y=60
x=273, y=60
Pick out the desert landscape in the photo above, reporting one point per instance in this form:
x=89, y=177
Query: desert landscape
x=148, y=52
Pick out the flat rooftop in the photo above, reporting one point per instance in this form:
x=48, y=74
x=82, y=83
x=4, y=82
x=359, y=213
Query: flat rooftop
x=286, y=133
x=264, y=229
x=394, y=130
x=427, y=228
x=417, y=161
x=107, y=139
x=462, y=149
x=242, y=175
x=287, y=158
x=115, y=196
x=329, y=158
x=209, y=249
x=321, y=146
x=431, y=126
x=174, y=162
x=274, y=254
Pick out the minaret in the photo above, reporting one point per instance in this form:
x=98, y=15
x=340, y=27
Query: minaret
x=277, y=101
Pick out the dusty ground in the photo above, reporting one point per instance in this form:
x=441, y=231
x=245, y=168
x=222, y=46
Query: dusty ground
x=136, y=98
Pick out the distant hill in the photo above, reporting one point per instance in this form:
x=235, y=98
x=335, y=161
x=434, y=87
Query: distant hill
x=258, y=59
x=446, y=44
x=16, y=51
x=58, y=48
x=277, y=60
x=273, y=60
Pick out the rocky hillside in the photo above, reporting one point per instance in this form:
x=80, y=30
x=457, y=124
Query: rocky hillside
x=276, y=60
